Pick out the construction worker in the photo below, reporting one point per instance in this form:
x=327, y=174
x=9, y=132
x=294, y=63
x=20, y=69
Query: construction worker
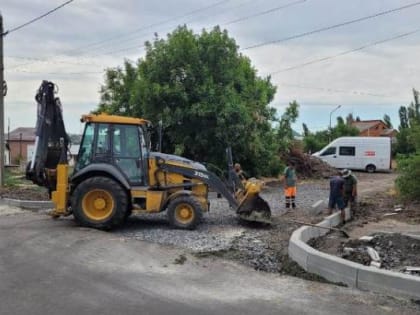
x=336, y=195
x=290, y=185
x=350, y=189
x=239, y=172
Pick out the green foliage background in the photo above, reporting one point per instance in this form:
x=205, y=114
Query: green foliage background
x=314, y=142
x=408, y=149
x=408, y=181
x=207, y=95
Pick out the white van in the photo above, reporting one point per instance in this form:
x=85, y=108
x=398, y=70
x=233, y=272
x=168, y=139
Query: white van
x=358, y=153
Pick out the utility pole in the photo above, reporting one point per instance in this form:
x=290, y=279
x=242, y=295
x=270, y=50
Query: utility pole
x=329, y=136
x=2, y=94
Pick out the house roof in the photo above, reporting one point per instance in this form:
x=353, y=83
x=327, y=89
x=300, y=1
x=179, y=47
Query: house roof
x=387, y=132
x=369, y=124
x=366, y=124
x=28, y=134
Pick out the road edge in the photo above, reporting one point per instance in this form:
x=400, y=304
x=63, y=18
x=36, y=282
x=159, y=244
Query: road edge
x=32, y=205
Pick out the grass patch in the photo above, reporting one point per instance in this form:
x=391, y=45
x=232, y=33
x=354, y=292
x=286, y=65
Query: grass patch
x=13, y=177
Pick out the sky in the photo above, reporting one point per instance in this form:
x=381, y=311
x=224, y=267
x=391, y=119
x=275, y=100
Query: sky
x=74, y=45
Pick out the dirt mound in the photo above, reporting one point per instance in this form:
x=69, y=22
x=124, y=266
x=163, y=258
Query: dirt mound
x=308, y=166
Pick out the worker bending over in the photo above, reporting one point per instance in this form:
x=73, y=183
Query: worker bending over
x=350, y=189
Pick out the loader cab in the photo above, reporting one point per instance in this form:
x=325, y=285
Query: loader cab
x=117, y=143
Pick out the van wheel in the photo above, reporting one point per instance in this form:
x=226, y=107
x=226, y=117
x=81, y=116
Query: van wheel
x=371, y=168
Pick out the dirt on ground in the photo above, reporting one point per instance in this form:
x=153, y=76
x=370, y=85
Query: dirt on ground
x=16, y=186
x=24, y=192
x=395, y=251
x=265, y=247
x=395, y=229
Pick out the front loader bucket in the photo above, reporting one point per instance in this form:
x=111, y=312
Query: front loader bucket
x=252, y=207
x=255, y=209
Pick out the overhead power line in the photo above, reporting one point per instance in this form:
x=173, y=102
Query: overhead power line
x=140, y=46
x=36, y=19
x=346, y=52
x=354, y=92
x=31, y=60
x=139, y=36
x=319, y=30
x=59, y=73
x=111, y=52
x=145, y=27
x=110, y=39
x=265, y=12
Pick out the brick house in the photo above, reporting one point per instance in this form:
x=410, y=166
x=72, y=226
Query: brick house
x=374, y=128
x=21, y=143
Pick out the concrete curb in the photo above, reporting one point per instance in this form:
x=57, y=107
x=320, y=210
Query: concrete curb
x=339, y=270
x=28, y=204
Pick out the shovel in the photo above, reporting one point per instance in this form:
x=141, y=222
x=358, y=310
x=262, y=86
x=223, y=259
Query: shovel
x=344, y=233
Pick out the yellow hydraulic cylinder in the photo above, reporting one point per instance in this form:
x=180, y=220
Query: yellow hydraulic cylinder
x=60, y=195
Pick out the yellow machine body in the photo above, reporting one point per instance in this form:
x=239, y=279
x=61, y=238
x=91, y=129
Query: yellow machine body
x=179, y=178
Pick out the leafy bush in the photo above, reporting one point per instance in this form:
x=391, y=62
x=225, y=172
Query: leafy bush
x=313, y=143
x=408, y=181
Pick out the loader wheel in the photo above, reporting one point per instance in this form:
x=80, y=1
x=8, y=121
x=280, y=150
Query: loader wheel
x=184, y=212
x=99, y=202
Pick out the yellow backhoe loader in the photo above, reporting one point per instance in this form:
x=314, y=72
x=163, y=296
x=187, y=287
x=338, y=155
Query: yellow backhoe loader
x=117, y=175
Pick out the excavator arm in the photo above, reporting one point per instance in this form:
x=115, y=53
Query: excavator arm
x=245, y=200
x=48, y=166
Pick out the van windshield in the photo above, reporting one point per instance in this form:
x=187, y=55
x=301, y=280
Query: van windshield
x=329, y=151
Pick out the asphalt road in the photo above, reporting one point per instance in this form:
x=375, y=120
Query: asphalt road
x=55, y=267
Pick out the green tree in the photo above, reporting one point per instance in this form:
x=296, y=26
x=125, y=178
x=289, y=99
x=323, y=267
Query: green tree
x=387, y=121
x=408, y=145
x=402, y=112
x=306, y=131
x=409, y=122
x=343, y=130
x=206, y=94
x=349, y=119
x=408, y=182
x=285, y=131
x=316, y=141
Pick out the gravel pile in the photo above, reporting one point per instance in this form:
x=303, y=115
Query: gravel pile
x=221, y=233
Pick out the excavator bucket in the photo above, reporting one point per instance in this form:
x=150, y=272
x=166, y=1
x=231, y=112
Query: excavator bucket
x=251, y=206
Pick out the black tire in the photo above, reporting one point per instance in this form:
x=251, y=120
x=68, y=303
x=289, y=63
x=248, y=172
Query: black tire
x=188, y=204
x=371, y=168
x=109, y=194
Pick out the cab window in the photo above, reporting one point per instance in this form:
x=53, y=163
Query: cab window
x=102, y=143
x=127, y=152
x=85, y=150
